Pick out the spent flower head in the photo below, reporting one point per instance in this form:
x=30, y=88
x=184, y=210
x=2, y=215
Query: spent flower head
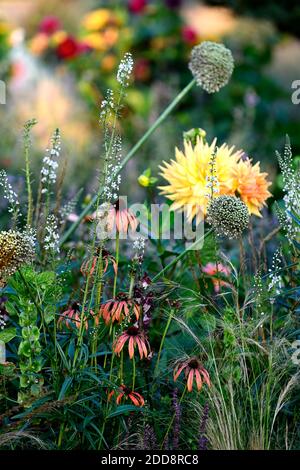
x=228, y=216
x=211, y=65
x=16, y=249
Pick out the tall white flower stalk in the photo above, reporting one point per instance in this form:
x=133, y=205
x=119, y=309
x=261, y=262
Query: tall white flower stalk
x=291, y=188
x=11, y=196
x=48, y=176
x=109, y=184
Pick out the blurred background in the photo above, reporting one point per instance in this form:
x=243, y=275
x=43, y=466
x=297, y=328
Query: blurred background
x=57, y=58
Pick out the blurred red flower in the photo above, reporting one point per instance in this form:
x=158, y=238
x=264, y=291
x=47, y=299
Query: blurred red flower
x=49, y=25
x=142, y=70
x=137, y=6
x=189, y=35
x=69, y=48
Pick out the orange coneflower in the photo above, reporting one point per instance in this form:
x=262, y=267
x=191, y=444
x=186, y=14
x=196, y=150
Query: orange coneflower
x=251, y=185
x=115, y=218
x=126, y=392
x=117, y=310
x=123, y=218
x=71, y=317
x=135, y=337
x=213, y=270
x=88, y=266
x=192, y=367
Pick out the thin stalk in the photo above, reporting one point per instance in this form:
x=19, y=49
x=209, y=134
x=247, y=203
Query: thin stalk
x=163, y=341
x=133, y=373
x=27, y=128
x=117, y=263
x=130, y=154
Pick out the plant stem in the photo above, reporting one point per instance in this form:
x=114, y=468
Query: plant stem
x=27, y=129
x=162, y=342
x=179, y=257
x=117, y=263
x=132, y=152
x=133, y=373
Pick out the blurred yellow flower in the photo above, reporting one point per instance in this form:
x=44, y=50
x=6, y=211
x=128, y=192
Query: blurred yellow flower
x=251, y=185
x=4, y=28
x=110, y=36
x=58, y=37
x=187, y=175
x=95, y=41
x=96, y=19
x=108, y=62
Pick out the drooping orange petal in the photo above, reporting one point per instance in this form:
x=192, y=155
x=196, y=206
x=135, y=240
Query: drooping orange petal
x=131, y=347
x=190, y=380
x=178, y=371
x=198, y=380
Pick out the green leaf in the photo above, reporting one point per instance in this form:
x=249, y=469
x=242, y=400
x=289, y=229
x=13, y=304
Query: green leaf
x=123, y=409
x=8, y=334
x=208, y=322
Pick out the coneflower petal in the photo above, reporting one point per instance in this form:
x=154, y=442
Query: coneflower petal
x=131, y=347
x=190, y=380
x=198, y=379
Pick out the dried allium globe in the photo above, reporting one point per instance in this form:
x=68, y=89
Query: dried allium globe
x=212, y=65
x=228, y=216
x=16, y=250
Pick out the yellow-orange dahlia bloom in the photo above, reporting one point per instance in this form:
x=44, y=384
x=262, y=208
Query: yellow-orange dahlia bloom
x=96, y=19
x=251, y=185
x=187, y=175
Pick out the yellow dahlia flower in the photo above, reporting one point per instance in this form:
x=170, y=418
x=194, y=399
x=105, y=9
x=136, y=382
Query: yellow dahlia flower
x=187, y=175
x=96, y=19
x=251, y=185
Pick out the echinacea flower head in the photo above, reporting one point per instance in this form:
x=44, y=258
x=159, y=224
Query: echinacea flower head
x=187, y=175
x=114, y=219
x=72, y=317
x=125, y=392
x=16, y=249
x=89, y=266
x=211, y=65
x=193, y=370
x=116, y=310
x=216, y=270
x=228, y=216
x=252, y=185
x=135, y=337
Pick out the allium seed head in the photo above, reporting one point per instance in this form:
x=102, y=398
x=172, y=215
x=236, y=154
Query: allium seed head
x=16, y=249
x=211, y=65
x=228, y=216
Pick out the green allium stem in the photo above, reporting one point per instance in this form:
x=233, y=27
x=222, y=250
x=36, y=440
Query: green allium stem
x=132, y=152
